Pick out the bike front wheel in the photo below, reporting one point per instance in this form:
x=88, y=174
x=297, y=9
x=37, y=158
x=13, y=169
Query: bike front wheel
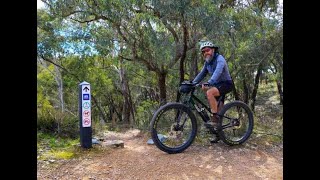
x=173, y=128
x=236, y=123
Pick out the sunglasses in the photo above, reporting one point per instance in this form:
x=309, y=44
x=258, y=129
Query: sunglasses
x=205, y=50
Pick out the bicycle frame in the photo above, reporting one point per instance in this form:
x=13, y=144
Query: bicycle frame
x=193, y=99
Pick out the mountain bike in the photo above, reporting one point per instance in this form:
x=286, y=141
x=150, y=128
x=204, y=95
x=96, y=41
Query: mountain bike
x=174, y=126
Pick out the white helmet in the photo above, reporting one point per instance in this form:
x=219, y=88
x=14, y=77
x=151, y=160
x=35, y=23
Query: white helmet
x=207, y=44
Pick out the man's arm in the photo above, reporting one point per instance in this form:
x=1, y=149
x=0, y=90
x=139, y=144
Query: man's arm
x=218, y=71
x=201, y=75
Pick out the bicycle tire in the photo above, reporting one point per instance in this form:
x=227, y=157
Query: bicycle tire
x=167, y=115
x=242, y=114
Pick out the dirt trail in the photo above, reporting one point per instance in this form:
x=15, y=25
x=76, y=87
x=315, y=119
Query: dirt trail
x=138, y=160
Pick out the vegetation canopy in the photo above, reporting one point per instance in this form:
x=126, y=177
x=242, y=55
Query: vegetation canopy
x=134, y=53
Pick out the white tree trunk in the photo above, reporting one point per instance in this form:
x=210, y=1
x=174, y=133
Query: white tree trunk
x=59, y=81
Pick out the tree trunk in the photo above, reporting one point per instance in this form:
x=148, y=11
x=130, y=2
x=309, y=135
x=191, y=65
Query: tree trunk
x=181, y=68
x=59, y=81
x=245, y=92
x=184, y=54
x=162, y=86
x=235, y=92
x=58, y=78
x=125, y=93
x=101, y=111
x=255, y=88
x=194, y=64
x=113, y=111
x=113, y=119
x=280, y=91
x=132, y=120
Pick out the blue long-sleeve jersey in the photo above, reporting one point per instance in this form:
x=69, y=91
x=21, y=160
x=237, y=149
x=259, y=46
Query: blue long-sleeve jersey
x=217, y=68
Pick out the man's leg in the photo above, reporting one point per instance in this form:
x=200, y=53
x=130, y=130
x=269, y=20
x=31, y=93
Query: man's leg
x=220, y=106
x=211, y=93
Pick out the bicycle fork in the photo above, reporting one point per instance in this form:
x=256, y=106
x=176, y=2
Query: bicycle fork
x=180, y=116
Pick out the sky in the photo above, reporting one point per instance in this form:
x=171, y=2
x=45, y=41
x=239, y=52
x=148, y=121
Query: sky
x=39, y=4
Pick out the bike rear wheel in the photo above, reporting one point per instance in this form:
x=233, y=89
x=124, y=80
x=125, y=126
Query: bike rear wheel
x=173, y=128
x=236, y=123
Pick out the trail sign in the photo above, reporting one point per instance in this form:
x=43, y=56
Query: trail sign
x=86, y=104
x=85, y=115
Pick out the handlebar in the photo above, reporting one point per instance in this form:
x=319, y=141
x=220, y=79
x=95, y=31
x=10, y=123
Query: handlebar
x=200, y=84
x=194, y=84
x=188, y=86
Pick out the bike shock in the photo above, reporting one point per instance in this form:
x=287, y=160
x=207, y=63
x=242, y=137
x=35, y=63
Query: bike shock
x=204, y=115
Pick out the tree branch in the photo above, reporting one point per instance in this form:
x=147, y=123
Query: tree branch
x=129, y=59
x=156, y=13
x=61, y=67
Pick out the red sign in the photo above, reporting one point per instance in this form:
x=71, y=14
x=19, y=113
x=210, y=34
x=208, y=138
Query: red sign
x=86, y=121
x=86, y=113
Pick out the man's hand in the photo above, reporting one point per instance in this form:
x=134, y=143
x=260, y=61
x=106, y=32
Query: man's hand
x=205, y=86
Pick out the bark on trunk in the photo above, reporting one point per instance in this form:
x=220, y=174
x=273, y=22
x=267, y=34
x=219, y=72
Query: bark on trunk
x=280, y=91
x=162, y=86
x=194, y=64
x=235, y=92
x=184, y=54
x=59, y=82
x=113, y=120
x=125, y=93
x=101, y=111
x=255, y=88
x=245, y=92
x=132, y=120
x=181, y=75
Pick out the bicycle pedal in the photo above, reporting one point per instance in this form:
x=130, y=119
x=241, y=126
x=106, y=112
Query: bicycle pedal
x=216, y=139
x=208, y=125
x=211, y=130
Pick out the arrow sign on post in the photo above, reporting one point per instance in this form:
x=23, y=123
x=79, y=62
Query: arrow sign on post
x=85, y=115
x=86, y=89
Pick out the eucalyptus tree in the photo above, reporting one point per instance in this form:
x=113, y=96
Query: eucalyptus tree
x=49, y=53
x=49, y=48
x=157, y=34
x=251, y=40
x=60, y=44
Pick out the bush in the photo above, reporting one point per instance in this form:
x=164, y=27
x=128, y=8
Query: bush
x=55, y=122
x=145, y=112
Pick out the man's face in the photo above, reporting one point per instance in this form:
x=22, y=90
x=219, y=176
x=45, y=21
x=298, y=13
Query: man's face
x=207, y=53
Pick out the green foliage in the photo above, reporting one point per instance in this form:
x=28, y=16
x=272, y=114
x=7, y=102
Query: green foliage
x=148, y=35
x=268, y=114
x=56, y=142
x=45, y=109
x=62, y=124
x=145, y=112
x=55, y=147
x=62, y=154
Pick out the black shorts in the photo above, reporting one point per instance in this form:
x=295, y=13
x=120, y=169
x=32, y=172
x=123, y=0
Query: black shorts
x=224, y=87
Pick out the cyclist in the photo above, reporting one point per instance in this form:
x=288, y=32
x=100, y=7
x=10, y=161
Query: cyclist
x=220, y=81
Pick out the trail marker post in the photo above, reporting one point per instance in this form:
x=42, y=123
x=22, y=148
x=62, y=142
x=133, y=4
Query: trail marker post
x=85, y=115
